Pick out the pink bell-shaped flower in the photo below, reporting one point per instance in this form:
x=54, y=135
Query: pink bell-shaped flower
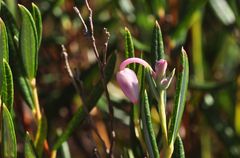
x=128, y=82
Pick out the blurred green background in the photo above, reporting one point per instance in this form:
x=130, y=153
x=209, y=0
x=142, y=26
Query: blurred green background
x=209, y=30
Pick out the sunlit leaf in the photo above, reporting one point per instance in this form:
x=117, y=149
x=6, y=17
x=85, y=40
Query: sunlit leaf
x=180, y=98
x=9, y=144
x=28, y=43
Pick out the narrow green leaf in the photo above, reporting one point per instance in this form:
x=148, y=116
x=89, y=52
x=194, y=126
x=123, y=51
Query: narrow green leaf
x=180, y=98
x=0, y=4
x=92, y=99
x=7, y=89
x=148, y=131
x=29, y=149
x=178, y=148
x=41, y=136
x=17, y=67
x=9, y=143
x=157, y=47
x=3, y=49
x=28, y=43
x=129, y=47
x=38, y=21
x=3, y=40
x=227, y=16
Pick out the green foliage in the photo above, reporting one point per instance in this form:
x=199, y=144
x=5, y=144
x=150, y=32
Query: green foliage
x=180, y=98
x=3, y=49
x=157, y=44
x=9, y=144
x=129, y=47
x=28, y=43
x=148, y=131
x=7, y=89
x=178, y=148
x=29, y=149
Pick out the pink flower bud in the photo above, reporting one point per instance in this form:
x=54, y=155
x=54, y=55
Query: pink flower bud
x=160, y=68
x=128, y=82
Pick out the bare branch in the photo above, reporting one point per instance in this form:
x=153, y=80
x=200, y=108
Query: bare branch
x=106, y=46
x=65, y=55
x=81, y=18
x=101, y=66
x=80, y=91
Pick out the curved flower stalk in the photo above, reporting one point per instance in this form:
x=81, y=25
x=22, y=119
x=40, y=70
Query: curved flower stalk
x=128, y=81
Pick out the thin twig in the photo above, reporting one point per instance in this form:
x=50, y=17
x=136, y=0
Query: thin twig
x=101, y=66
x=80, y=91
x=106, y=46
x=81, y=18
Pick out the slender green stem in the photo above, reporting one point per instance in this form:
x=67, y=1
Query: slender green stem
x=37, y=110
x=163, y=121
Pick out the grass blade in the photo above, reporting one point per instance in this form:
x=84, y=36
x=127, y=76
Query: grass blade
x=9, y=143
x=90, y=103
x=28, y=34
x=180, y=97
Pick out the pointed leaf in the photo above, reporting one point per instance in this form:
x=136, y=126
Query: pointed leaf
x=38, y=21
x=18, y=72
x=148, y=131
x=149, y=135
x=157, y=47
x=28, y=43
x=29, y=149
x=90, y=103
x=3, y=49
x=180, y=98
x=9, y=144
x=178, y=148
x=3, y=40
x=7, y=89
x=129, y=48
